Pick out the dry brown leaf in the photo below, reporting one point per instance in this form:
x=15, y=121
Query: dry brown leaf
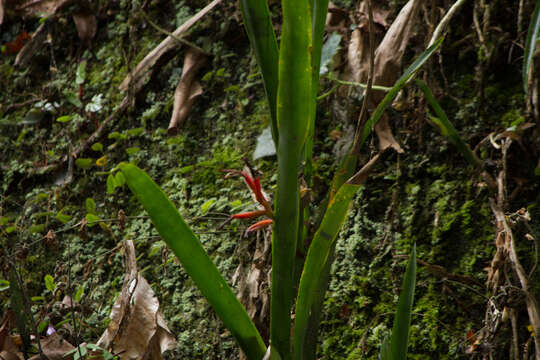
x=1, y=11
x=384, y=133
x=387, y=62
x=86, y=25
x=54, y=347
x=8, y=355
x=137, y=329
x=187, y=90
x=40, y=8
x=142, y=69
x=8, y=349
x=388, y=59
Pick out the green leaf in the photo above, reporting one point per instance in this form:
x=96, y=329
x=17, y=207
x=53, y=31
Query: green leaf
x=207, y=205
x=42, y=325
x=92, y=219
x=402, y=321
x=446, y=128
x=385, y=353
x=132, y=150
x=84, y=163
x=63, y=119
x=115, y=135
x=530, y=44
x=111, y=184
x=315, y=263
x=81, y=73
x=120, y=179
x=187, y=248
x=97, y=146
x=72, y=98
x=294, y=116
x=37, y=298
x=63, y=218
x=186, y=169
x=49, y=282
x=38, y=228
x=3, y=220
x=258, y=24
x=4, y=285
x=79, y=294
x=135, y=132
x=90, y=206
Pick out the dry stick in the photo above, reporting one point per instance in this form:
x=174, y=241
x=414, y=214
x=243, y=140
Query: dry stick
x=445, y=20
x=144, y=66
x=165, y=32
x=532, y=306
x=509, y=244
x=515, y=346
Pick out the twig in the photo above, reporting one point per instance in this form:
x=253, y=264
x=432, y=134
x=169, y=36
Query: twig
x=177, y=38
x=362, y=85
x=532, y=305
x=140, y=71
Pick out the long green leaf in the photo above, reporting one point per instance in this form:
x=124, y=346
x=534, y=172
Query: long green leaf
x=341, y=195
x=348, y=164
x=258, y=24
x=446, y=128
x=293, y=114
x=402, y=321
x=319, y=11
x=386, y=352
x=530, y=44
x=315, y=263
x=187, y=248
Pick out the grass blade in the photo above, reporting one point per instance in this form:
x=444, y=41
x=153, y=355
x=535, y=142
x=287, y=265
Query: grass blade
x=258, y=24
x=187, y=248
x=315, y=263
x=386, y=352
x=319, y=11
x=348, y=164
x=400, y=83
x=530, y=44
x=402, y=321
x=446, y=128
x=293, y=114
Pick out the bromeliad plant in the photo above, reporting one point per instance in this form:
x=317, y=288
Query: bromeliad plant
x=291, y=78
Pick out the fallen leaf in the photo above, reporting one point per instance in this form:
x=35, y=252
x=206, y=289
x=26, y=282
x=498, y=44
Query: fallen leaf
x=86, y=25
x=42, y=8
x=137, y=329
x=54, y=347
x=141, y=71
x=387, y=61
x=187, y=90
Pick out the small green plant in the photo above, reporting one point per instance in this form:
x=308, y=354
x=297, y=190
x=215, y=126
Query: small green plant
x=291, y=78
